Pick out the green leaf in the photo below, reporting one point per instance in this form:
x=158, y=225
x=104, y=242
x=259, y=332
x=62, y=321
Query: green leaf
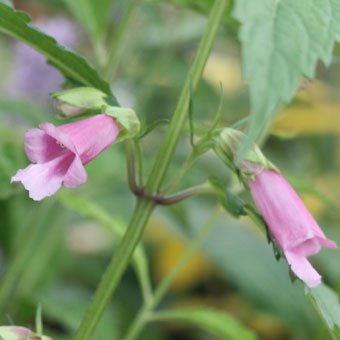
x=216, y=322
x=326, y=302
x=74, y=67
x=282, y=41
x=91, y=14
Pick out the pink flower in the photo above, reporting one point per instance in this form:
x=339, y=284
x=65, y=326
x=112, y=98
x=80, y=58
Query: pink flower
x=60, y=153
x=290, y=223
x=20, y=333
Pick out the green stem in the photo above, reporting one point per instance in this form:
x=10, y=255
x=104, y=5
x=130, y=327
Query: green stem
x=171, y=139
x=145, y=313
x=115, y=269
x=118, y=38
x=200, y=189
x=144, y=208
x=180, y=173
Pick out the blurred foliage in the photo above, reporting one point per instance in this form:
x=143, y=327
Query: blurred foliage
x=67, y=249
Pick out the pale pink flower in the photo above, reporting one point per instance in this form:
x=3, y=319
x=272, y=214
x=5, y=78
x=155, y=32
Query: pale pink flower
x=60, y=153
x=291, y=224
x=20, y=333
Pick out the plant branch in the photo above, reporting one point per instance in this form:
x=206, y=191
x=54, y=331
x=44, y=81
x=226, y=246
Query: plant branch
x=144, y=208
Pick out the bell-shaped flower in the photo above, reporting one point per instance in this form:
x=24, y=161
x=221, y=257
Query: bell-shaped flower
x=59, y=153
x=290, y=223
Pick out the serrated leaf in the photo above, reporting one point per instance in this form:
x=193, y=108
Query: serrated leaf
x=91, y=14
x=74, y=67
x=282, y=41
x=326, y=302
x=214, y=321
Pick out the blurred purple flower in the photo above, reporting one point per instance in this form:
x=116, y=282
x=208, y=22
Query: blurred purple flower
x=60, y=153
x=289, y=221
x=32, y=75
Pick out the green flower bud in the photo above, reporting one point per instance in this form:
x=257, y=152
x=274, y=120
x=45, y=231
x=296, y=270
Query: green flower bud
x=78, y=100
x=253, y=162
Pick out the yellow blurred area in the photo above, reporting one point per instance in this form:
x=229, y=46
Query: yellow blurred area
x=313, y=204
x=223, y=70
x=325, y=195
x=168, y=250
x=316, y=113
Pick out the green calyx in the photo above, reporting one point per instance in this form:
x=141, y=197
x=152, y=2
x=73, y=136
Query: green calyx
x=126, y=118
x=253, y=162
x=79, y=100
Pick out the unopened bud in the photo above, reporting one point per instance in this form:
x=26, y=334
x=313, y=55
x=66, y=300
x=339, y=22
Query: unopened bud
x=79, y=100
x=253, y=162
x=68, y=109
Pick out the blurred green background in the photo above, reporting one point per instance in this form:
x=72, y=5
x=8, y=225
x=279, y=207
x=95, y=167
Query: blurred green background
x=60, y=247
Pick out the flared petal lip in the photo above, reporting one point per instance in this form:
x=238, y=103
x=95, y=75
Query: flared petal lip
x=323, y=242
x=61, y=138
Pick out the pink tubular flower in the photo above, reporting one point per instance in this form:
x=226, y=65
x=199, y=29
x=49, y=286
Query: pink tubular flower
x=60, y=153
x=290, y=223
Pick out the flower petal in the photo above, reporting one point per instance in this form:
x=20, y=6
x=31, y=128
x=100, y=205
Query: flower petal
x=303, y=269
x=325, y=242
x=43, y=180
x=91, y=136
x=40, y=147
x=61, y=138
x=308, y=248
x=290, y=222
x=76, y=174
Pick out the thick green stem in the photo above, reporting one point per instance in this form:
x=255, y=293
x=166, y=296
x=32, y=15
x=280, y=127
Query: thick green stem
x=115, y=269
x=144, y=208
x=143, y=316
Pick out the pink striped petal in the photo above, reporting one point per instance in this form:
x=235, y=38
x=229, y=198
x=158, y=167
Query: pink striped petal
x=64, y=140
x=40, y=147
